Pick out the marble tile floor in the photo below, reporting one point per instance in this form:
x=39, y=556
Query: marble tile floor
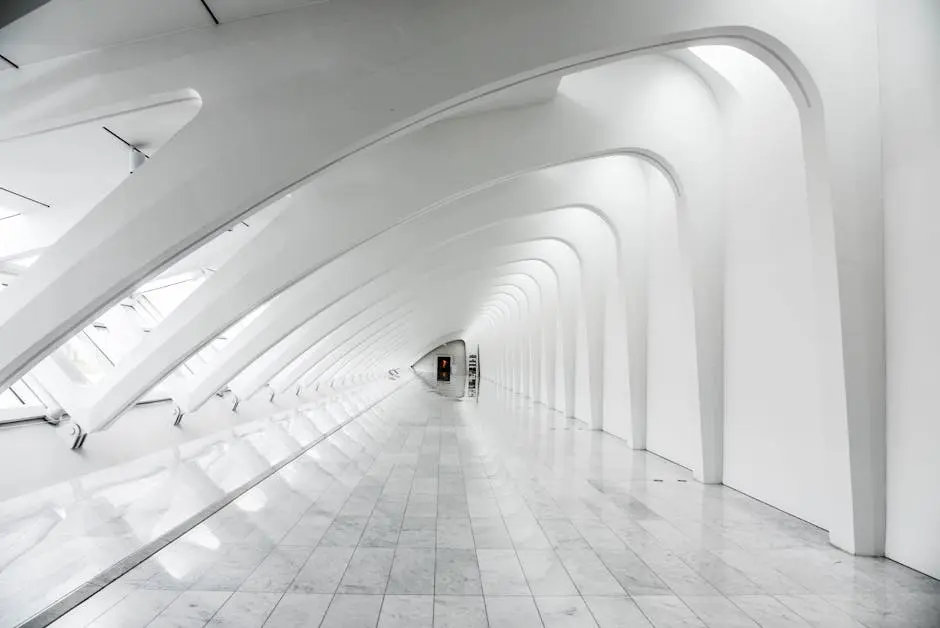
x=64, y=542
x=491, y=511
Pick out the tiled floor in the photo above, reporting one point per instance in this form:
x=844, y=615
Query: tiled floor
x=489, y=511
x=55, y=541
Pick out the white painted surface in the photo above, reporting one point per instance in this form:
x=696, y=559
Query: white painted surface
x=766, y=291
x=772, y=403
x=910, y=65
x=672, y=393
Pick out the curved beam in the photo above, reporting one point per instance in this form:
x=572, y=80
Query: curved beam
x=262, y=258
x=340, y=311
x=324, y=365
x=320, y=288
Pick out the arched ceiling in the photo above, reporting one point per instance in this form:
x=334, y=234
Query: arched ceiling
x=406, y=148
x=501, y=164
x=197, y=156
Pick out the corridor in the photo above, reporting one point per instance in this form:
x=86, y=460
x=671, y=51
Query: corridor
x=493, y=511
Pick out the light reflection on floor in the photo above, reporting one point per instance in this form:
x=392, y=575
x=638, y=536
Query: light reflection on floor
x=438, y=512
x=456, y=388
x=55, y=540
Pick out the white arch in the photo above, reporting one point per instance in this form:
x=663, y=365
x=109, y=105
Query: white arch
x=154, y=217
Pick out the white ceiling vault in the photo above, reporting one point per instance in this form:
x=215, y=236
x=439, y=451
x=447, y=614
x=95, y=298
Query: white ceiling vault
x=67, y=170
x=611, y=198
x=58, y=29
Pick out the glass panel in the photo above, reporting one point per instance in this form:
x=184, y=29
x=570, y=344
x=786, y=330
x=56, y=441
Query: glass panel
x=8, y=399
x=207, y=354
x=139, y=314
x=167, y=298
x=197, y=362
x=168, y=279
x=26, y=394
x=101, y=336
x=224, y=338
x=88, y=363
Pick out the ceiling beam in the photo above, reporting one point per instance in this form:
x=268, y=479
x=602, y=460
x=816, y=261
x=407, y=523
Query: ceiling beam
x=208, y=9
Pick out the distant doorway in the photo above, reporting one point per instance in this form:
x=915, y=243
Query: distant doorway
x=443, y=368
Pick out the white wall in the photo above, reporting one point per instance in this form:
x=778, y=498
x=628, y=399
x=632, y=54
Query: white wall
x=582, y=382
x=909, y=35
x=617, y=419
x=774, y=445
x=559, y=401
x=672, y=384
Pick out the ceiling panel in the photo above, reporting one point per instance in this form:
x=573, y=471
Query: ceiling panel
x=64, y=27
x=229, y=10
x=77, y=165
x=73, y=168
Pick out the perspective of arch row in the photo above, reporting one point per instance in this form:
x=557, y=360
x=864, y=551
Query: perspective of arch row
x=661, y=230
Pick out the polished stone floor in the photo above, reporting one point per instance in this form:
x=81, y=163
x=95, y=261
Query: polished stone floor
x=61, y=543
x=489, y=511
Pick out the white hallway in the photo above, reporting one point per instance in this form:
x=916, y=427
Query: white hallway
x=702, y=238
x=491, y=511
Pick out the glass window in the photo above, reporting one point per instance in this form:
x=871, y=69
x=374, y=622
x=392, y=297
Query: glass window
x=237, y=328
x=101, y=336
x=167, y=298
x=82, y=360
x=18, y=395
x=26, y=394
x=113, y=345
x=9, y=399
x=138, y=314
x=195, y=364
